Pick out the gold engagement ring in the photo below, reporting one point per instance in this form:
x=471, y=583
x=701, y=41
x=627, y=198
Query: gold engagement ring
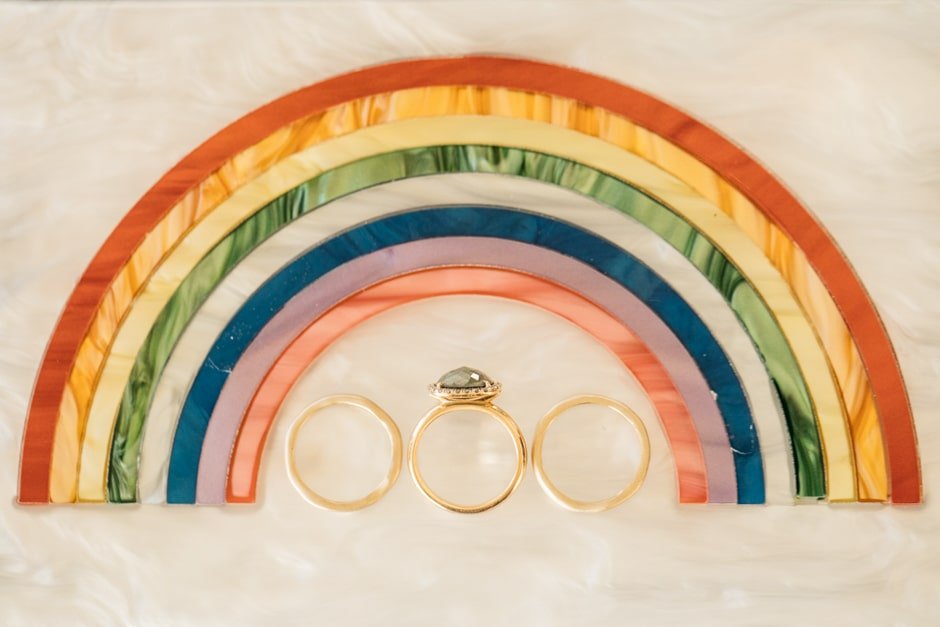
x=466, y=389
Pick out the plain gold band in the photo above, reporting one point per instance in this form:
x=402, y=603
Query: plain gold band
x=491, y=410
x=552, y=490
x=394, y=468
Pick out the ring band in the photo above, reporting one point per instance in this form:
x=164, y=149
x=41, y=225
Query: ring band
x=394, y=468
x=552, y=490
x=477, y=397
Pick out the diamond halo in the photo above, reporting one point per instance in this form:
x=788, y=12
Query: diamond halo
x=464, y=384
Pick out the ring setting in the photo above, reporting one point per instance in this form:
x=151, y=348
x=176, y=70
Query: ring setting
x=464, y=385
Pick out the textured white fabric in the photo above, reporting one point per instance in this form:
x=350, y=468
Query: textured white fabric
x=97, y=101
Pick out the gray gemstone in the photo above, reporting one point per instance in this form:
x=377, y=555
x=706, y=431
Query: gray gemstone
x=464, y=378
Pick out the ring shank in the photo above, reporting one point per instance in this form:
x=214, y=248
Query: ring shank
x=394, y=469
x=489, y=409
x=553, y=491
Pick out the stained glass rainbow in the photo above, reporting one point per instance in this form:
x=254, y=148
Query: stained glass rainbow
x=824, y=346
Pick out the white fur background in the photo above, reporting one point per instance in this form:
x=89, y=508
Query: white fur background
x=97, y=101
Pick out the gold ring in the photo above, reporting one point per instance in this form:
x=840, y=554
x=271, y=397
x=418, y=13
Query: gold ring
x=394, y=468
x=466, y=389
x=589, y=506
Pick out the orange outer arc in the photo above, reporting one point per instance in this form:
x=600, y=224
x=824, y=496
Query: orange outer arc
x=729, y=161
x=321, y=333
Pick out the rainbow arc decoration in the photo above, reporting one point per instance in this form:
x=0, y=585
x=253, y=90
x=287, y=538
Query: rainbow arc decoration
x=824, y=347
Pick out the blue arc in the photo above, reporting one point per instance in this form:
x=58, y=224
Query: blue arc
x=471, y=221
